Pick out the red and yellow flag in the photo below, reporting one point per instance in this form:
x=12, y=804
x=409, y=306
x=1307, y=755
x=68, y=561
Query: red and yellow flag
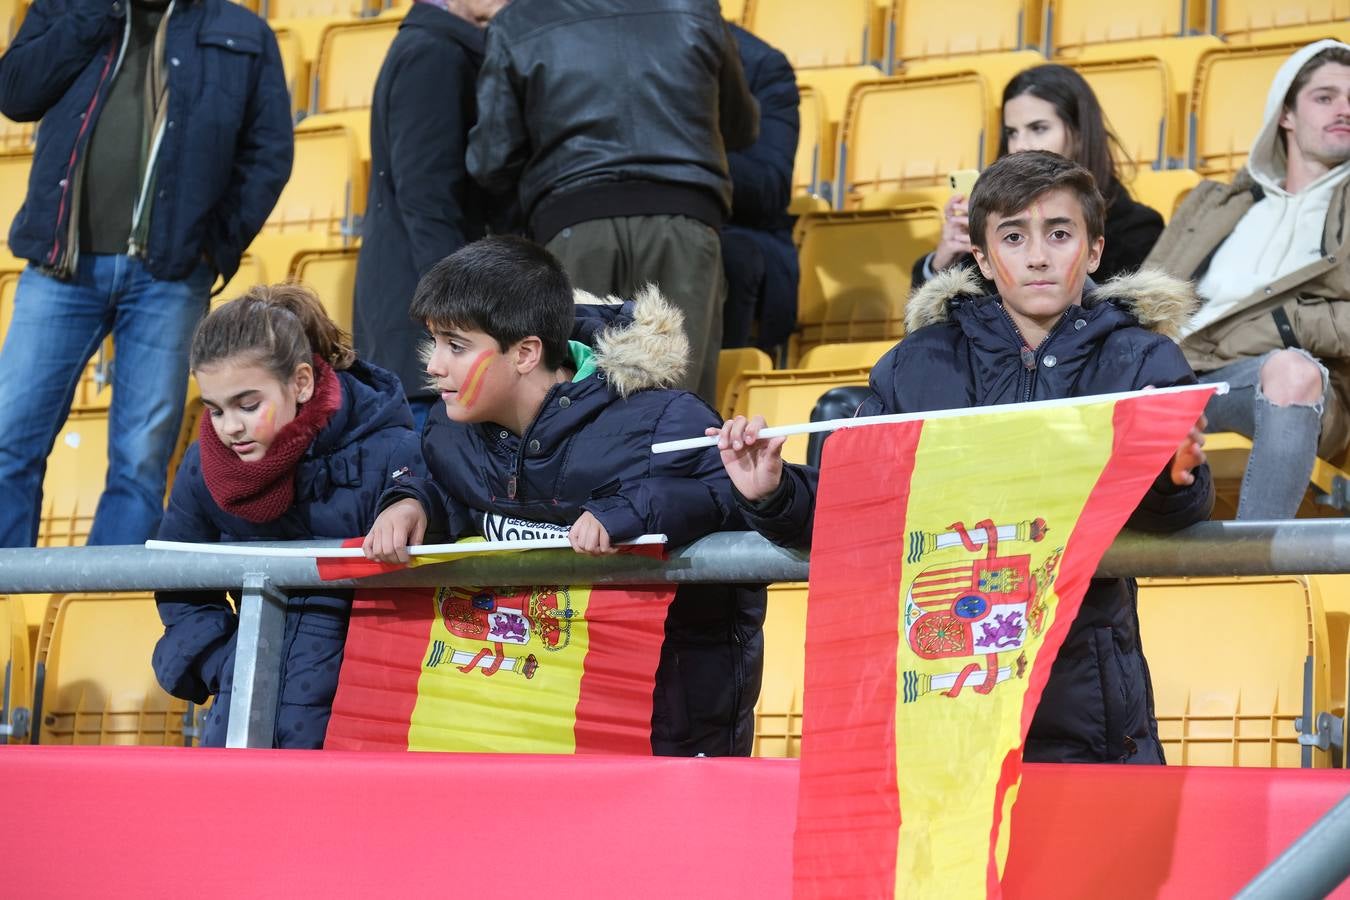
x=509, y=670
x=949, y=560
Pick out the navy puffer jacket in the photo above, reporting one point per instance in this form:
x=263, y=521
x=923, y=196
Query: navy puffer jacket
x=589, y=449
x=963, y=351
x=227, y=142
x=337, y=489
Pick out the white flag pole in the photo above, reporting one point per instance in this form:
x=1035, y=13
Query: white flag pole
x=695, y=443
x=560, y=543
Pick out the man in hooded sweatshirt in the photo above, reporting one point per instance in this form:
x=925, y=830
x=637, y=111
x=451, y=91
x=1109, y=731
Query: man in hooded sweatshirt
x=1270, y=258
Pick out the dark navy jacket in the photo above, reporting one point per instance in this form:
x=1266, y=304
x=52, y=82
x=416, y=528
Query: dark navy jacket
x=1098, y=702
x=589, y=449
x=423, y=205
x=757, y=249
x=338, y=484
x=227, y=145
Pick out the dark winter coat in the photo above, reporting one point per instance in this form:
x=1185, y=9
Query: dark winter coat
x=1131, y=231
x=620, y=94
x=757, y=250
x=422, y=204
x=338, y=484
x=963, y=351
x=589, y=450
x=227, y=141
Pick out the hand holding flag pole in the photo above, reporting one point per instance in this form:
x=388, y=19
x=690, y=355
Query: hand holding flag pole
x=559, y=543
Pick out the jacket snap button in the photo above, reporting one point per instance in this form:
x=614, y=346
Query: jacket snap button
x=565, y=402
x=567, y=232
x=170, y=125
x=61, y=183
x=173, y=61
x=534, y=446
x=1078, y=324
x=503, y=435
x=229, y=42
x=1049, y=362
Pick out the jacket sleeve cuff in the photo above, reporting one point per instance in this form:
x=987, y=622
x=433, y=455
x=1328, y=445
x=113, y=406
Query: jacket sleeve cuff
x=617, y=515
x=770, y=506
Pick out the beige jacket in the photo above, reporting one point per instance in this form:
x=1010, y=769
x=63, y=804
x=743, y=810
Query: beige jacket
x=1316, y=297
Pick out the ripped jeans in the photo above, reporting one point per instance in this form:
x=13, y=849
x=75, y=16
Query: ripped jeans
x=1284, y=438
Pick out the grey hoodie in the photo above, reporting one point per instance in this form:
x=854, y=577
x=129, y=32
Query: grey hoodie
x=1282, y=232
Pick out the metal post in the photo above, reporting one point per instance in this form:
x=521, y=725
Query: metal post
x=257, y=664
x=1310, y=867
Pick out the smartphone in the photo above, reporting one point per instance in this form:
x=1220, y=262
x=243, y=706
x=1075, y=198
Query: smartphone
x=963, y=181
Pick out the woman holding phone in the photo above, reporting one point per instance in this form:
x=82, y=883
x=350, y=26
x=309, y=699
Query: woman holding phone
x=1051, y=107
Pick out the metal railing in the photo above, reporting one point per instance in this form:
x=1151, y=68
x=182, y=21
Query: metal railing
x=1305, y=547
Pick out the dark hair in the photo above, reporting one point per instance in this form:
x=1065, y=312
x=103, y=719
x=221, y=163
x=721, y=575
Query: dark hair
x=506, y=287
x=1014, y=182
x=1338, y=55
x=279, y=326
x=1077, y=107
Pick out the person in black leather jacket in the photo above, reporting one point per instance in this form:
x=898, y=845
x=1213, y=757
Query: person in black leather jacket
x=612, y=119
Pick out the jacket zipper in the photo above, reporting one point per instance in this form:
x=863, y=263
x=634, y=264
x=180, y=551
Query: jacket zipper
x=738, y=670
x=75, y=167
x=513, y=483
x=1031, y=359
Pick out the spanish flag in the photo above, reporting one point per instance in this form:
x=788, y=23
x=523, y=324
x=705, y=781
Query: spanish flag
x=544, y=669
x=949, y=560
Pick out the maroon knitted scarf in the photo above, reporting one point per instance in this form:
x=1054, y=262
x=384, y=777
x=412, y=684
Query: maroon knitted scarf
x=263, y=490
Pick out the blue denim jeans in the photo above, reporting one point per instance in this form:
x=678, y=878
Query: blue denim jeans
x=56, y=328
x=1284, y=438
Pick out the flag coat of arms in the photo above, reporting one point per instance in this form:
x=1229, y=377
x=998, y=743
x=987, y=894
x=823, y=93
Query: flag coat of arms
x=950, y=558
x=534, y=669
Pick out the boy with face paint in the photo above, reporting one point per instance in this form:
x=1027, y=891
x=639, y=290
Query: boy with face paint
x=538, y=434
x=1036, y=226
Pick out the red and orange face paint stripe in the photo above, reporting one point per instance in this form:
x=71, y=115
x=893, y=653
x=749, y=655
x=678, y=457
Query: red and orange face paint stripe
x=473, y=385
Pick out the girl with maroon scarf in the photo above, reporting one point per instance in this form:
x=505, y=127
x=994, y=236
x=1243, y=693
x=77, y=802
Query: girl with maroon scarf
x=298, y=439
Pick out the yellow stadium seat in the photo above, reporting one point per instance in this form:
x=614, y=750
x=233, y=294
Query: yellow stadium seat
x=1180, y=57
x=327, y=187
x=11, y=17
x=1298, y=34
x=14, y=168
x=778, y=715
x=251, y=272
x=357, y=121
x=927, y=29
x=350, y=56
x=295, y=66
x=839, y=33
x=1074, y=24
x=883, y=150
x=1136, y=97
x=76, y=470
x=17, y=137
x=1228, y=104
x=733, y=10
x=997, y=69
x=731, y=365
x=314, y=9
x=1227, y=659
x=1240, y=18
x=787, y=396
x=1163, y=189
x=855, y=269
x=332, y=275
x=97, y=686
x=811, y=169
x=843, y=356
x=1227, y=453
x=825, y=98
x=274, y=252
x=16, y=683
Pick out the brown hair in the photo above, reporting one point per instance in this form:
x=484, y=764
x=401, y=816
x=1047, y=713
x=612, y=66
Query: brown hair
x=1077, y=107
x=1338, y=55
x=279, y=326
x=1014, y=182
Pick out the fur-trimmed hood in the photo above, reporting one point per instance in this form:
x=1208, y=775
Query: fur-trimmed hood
x=640, y=344
x=1159, y=302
